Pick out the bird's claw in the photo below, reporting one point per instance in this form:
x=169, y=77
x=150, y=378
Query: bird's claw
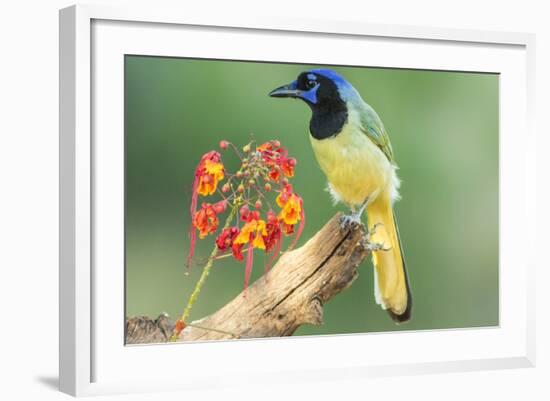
x=372, y=231
x=373, y=246
x=349, y=221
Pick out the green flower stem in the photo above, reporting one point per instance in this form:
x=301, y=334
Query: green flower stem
x=205, y=272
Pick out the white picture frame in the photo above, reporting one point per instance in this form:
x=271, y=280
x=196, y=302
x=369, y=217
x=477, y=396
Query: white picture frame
x=93, y=359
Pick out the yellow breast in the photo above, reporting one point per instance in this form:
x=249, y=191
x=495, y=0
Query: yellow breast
x=355, y=167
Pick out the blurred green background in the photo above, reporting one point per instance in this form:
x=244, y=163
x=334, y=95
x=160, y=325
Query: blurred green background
x=444, y=131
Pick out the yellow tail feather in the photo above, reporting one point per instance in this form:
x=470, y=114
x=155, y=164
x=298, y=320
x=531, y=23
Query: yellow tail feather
x=391, y=282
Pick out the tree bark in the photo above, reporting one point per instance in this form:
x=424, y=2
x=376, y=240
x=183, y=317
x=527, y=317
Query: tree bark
x=291, y=294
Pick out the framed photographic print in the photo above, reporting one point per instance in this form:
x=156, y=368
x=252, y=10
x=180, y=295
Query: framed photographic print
x=325, y=199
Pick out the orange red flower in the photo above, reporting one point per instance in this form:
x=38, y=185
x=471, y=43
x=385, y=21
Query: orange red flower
x=206, y=220
x=292, y=210
x=284, y=195
x=252, y=235
x=212, y=173
x=263, y=168
x=237, y=250
x=277, y=159
x=288, y=228
x=273, y=240
x=287, y=165
x=208, y=173
x=265, y=147
x=253, y=232
x=226, y=240
x=273, y=230
x=274, y=174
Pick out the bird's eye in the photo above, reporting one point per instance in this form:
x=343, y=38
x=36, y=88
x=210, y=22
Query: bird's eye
x=311, y=83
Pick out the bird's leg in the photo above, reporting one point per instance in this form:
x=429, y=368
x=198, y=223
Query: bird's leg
x=354, y=217
x=357, y=215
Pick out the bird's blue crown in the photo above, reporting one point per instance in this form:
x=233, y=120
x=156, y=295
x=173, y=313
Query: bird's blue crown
x=346, y=90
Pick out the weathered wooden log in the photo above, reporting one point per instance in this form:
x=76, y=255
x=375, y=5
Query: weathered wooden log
x=291, y=294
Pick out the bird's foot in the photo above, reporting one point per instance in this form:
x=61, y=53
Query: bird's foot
x=375, y=246
x=350, y=221
x=371, y=246
x=372, y=231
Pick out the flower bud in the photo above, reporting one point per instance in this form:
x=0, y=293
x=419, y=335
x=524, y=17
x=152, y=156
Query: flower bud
x=226, y=188
x=267, y=186
x=239, y=174
x=244, y=211
x=224, y=144
x=251, y=182
x=220, y=206
x=276, y=143
x=240, y=188
x=179, y=327
x=246, y=148
x=258, y=204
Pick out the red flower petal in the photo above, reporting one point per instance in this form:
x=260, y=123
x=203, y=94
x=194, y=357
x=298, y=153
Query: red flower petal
x=237, y=250
x=300, y=227
x=248, y=267
x=192, y=211
x=276, y=251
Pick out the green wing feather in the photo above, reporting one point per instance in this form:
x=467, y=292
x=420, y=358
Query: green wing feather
x=372, y=126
